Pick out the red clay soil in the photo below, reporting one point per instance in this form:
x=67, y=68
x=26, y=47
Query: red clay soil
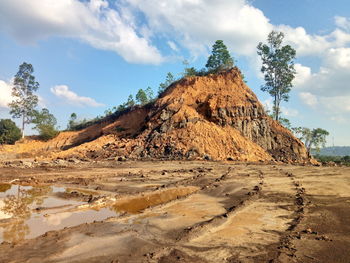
x=212, y=117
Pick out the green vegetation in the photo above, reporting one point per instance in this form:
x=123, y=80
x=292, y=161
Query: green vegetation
x=285, y=122
x=25, y=101
x=169, y=79
x=278, y=69
x=339, y=160
x=220, y=59
x=141, y=97
x=9, y=132
x=72, y=121
x=314, y=138
x=188, y=71
x=45, y=123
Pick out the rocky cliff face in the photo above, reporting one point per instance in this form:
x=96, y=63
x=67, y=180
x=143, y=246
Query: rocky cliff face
x=212, y=117
x=219, y=117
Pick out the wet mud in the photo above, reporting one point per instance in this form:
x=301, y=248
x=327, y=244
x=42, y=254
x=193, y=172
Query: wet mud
x=175, y=212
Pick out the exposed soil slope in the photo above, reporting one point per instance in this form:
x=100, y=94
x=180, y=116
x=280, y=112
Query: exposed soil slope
x=214, y=117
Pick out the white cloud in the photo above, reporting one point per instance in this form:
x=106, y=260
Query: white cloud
x=308, y=98
x=339, y=119
x=333, y=77
x=196, y=24
x=173, y=46
x=62, y=91
x=193, y=24
x=93, y=22
x=304, y=43
x=6, y=97
x=5, y=91
x=327, y=90
x=289, y=112
x=336, y=104
x=302, y=76
x=342, y=22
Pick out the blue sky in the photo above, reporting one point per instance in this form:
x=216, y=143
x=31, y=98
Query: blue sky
x=90, y=55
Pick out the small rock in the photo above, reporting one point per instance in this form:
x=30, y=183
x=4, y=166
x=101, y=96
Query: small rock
x=27, y=164
x=207, y=157
x=121, y=158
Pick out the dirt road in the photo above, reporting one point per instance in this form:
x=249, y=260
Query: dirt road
x=175, y=212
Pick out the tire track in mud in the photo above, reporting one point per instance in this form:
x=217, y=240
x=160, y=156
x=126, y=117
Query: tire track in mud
x=177, y=244
x=286, y=251
x=200, y=228
x=263, y=192
x=201, y=181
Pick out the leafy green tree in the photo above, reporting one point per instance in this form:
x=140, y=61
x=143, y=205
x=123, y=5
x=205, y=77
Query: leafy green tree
x=188, y=71
x=311, y=138
x=286, y=123
x=150, y=94
x=9, y=132
x=25, y=101
x=220, y=58
x=72, y=121
x=141, y=97
x=45, y=122
x=168, y=81
x=130, y=102
x=278, y=69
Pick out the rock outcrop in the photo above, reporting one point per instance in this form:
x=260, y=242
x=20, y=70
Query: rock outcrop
x=212, y=117
x=216, y=116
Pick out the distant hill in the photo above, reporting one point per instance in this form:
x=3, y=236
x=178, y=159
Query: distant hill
x=335, y=151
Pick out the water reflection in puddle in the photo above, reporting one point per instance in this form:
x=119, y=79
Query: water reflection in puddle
x=27, y=212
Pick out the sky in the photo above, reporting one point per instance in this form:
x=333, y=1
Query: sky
x=89, y=55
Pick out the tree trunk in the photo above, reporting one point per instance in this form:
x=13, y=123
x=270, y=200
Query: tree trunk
x=23, y=127
x=276, y=108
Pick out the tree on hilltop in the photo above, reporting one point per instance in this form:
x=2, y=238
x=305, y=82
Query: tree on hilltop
x=169, y=79
x=72, y=121
x=220, y=58
x=278, y=69
x=25, y=101
x=141, y=97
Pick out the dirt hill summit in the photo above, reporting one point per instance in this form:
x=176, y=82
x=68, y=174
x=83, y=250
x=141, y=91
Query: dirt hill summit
x=212, y=117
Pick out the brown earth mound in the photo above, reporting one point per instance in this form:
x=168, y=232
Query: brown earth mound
x=213, y=117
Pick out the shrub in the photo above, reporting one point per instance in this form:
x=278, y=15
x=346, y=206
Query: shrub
x=9, y=132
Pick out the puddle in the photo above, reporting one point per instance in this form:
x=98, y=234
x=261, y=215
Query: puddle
x=27, y=212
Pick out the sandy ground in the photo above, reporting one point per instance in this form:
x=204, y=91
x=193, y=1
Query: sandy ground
x=184, y=212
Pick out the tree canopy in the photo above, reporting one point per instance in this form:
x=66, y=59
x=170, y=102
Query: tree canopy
x=169, y=79
x=25, y=101
x=278, y=69
x=9, y=132
x=141, y=97
x=314, y=138
x=220, y=58
x=45, y=122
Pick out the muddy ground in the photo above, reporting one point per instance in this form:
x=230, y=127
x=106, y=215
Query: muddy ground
x=175, y=212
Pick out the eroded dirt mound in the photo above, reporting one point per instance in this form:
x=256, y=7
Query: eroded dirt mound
x=212, y=117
